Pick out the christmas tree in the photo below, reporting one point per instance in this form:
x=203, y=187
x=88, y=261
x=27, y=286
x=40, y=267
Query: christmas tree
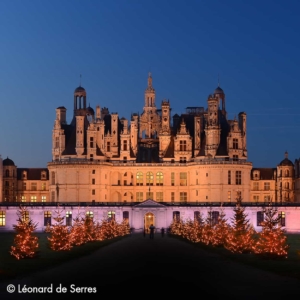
x=221, y=230
x=25, y=243
x=59, y=234
x=241, y=233
x=188, y=231
x=272, y=241
x=89, y=229
x=77, y=231
x=208, y=228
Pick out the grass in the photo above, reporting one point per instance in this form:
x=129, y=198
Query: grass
x=289, y=266
x=11, y=268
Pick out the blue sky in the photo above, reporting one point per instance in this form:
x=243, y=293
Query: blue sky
x=252, y=46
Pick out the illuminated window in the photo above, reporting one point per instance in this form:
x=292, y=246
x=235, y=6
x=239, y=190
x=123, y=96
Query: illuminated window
x=172, y=196
x=2, y=218
x=139, y=196
x=149, y=178
x=44, y=198
x=47, y=218
x=111, y=215
x=238, y=177
x=44, y=186
x=68, y=218
x=255, y=198
x=159, y=178
x=89, y=214
x=260, y=218
x=183, y=196
x=25, y=216
x=33, y=198
x=139, y=178
x=281, y=216
x=229, y=196
x=24, y=186
x=23, y=198
x=183, y=178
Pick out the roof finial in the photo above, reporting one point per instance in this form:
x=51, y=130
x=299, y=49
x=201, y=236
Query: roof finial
x=286, y=154
x=149, y=80
x=218, y=79
x=80, y=81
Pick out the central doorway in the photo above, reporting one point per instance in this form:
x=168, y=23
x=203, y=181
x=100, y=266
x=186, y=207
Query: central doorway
x=149, y=219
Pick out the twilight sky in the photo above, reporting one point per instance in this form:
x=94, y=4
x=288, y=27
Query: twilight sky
x=252, y=46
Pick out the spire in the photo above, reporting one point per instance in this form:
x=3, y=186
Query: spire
x=149, y=80
x=80, y=80
x=286, y=154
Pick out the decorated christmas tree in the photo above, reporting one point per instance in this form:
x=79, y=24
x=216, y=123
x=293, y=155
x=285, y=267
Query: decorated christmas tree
x=188, y=231
x=208, y=228
x=176, y=226
x=221, y=230
x=89, y=229
x=59, y=239
x=77, y=231
x=25, y=243
x=272, y=241
x=241, y=233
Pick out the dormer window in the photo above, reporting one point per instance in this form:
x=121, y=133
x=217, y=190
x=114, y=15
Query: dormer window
x=43, y=175
x=24, y=175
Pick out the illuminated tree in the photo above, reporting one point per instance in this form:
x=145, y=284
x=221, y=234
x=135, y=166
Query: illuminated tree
x=77, y=231
x=272, y=241
x=59, y=239
x=176, y=226
x=89, y=228
x=25, y=243
x=221, y=231
x=208, y=228
x=241, y=233
x=188, y=231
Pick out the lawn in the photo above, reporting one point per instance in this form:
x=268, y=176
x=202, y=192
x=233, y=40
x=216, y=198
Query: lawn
x=11, y=268
x=289, y=266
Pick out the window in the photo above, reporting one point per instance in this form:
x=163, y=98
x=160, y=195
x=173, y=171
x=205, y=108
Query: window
x=33, y=186
x=159, y=178
x=255, y=186
x=238, y=177
x=125, y=145
x=23, y=198
x=287, y=173
x=255, y=198
x=111, y=215
x=52, y=177
x=183, y=178
x=281, y=216
x=24, y=175
x=25, y=216
x=47, y=218
x=235, y=157
x=44, y=186
x=89, y=214
x=235, y=144
x=267, y=198
x=287, y=185
x=91, y=142
x=93, y=171
x=260, y=218
x=56, y=142
x=24, y=186
x=229, y=177
x=197, y=182
x=149, y=178
x=196, y=192
x=68, y=218
x=7, y=183
x=197, y=216
x=159, y=196
x=2, y=218
x=176, y=215
x=215, y=217
x=172, y=196
x=182, y=159
x=182, y=145
x=7, y=173
x=53, y=196
x=266, y=186
x=139, y=196
x=126, y=215
x=33, y=198
x=229, y=196
x=108, y=147
x=43, y=198
x=139, y=178
x=172, y=178
x=93, y=192
x=183, y=196
x=93, y=181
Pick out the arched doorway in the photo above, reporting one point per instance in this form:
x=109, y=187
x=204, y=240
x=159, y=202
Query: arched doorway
x=149, y=219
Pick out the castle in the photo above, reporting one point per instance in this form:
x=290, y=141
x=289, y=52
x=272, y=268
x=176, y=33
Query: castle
x=198, y=158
